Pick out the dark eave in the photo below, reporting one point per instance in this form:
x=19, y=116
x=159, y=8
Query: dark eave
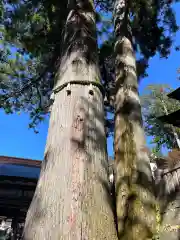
x=18, y=179
x=175, y=94
x=172, y=118
x=20, y=161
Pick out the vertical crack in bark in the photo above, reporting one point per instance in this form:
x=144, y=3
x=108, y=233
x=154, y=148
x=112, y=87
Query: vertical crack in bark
x=79, y=158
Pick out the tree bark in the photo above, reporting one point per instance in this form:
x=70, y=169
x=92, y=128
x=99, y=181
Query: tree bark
x=72, y=199
x=135, y=200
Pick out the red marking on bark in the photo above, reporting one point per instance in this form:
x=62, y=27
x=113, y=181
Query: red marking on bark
x=77, y=148
x=145, y=149
x=76, y=187
x=72, y=219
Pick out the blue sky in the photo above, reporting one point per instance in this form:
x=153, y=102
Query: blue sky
x=19, y=141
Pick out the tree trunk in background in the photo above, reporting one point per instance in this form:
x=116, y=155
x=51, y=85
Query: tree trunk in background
x=72, y=199
x=134, y=185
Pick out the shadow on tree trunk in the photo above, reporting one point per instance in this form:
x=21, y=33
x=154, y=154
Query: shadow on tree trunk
x=93, y=193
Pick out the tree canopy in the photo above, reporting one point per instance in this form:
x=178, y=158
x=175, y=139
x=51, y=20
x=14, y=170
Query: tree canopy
x=155, y=102
x=31, y=36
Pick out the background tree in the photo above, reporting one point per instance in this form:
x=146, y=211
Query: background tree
x=148, y=26
x=133, y=176
x=154, y=101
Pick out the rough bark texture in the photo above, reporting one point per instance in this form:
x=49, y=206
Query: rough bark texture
x=168, y=188
x=72, y=198
x=134, y=186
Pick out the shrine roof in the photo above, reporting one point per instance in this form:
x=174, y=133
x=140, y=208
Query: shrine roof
x=19, y=167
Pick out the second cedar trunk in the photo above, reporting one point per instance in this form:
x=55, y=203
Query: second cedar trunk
x=72, y=201
x=134, y=186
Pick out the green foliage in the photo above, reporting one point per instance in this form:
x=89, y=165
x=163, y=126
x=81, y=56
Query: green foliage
x=31, y=38
x=153, y=26
x=156, y=152
x=154, y=101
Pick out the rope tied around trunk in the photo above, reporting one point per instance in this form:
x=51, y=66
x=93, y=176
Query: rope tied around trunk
x=90, y=83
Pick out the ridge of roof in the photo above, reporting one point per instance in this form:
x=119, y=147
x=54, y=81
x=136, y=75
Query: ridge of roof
x=20, y=161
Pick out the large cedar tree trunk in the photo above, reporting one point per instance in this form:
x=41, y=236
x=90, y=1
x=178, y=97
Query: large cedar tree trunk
x=134, y=186
x=72, y=199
